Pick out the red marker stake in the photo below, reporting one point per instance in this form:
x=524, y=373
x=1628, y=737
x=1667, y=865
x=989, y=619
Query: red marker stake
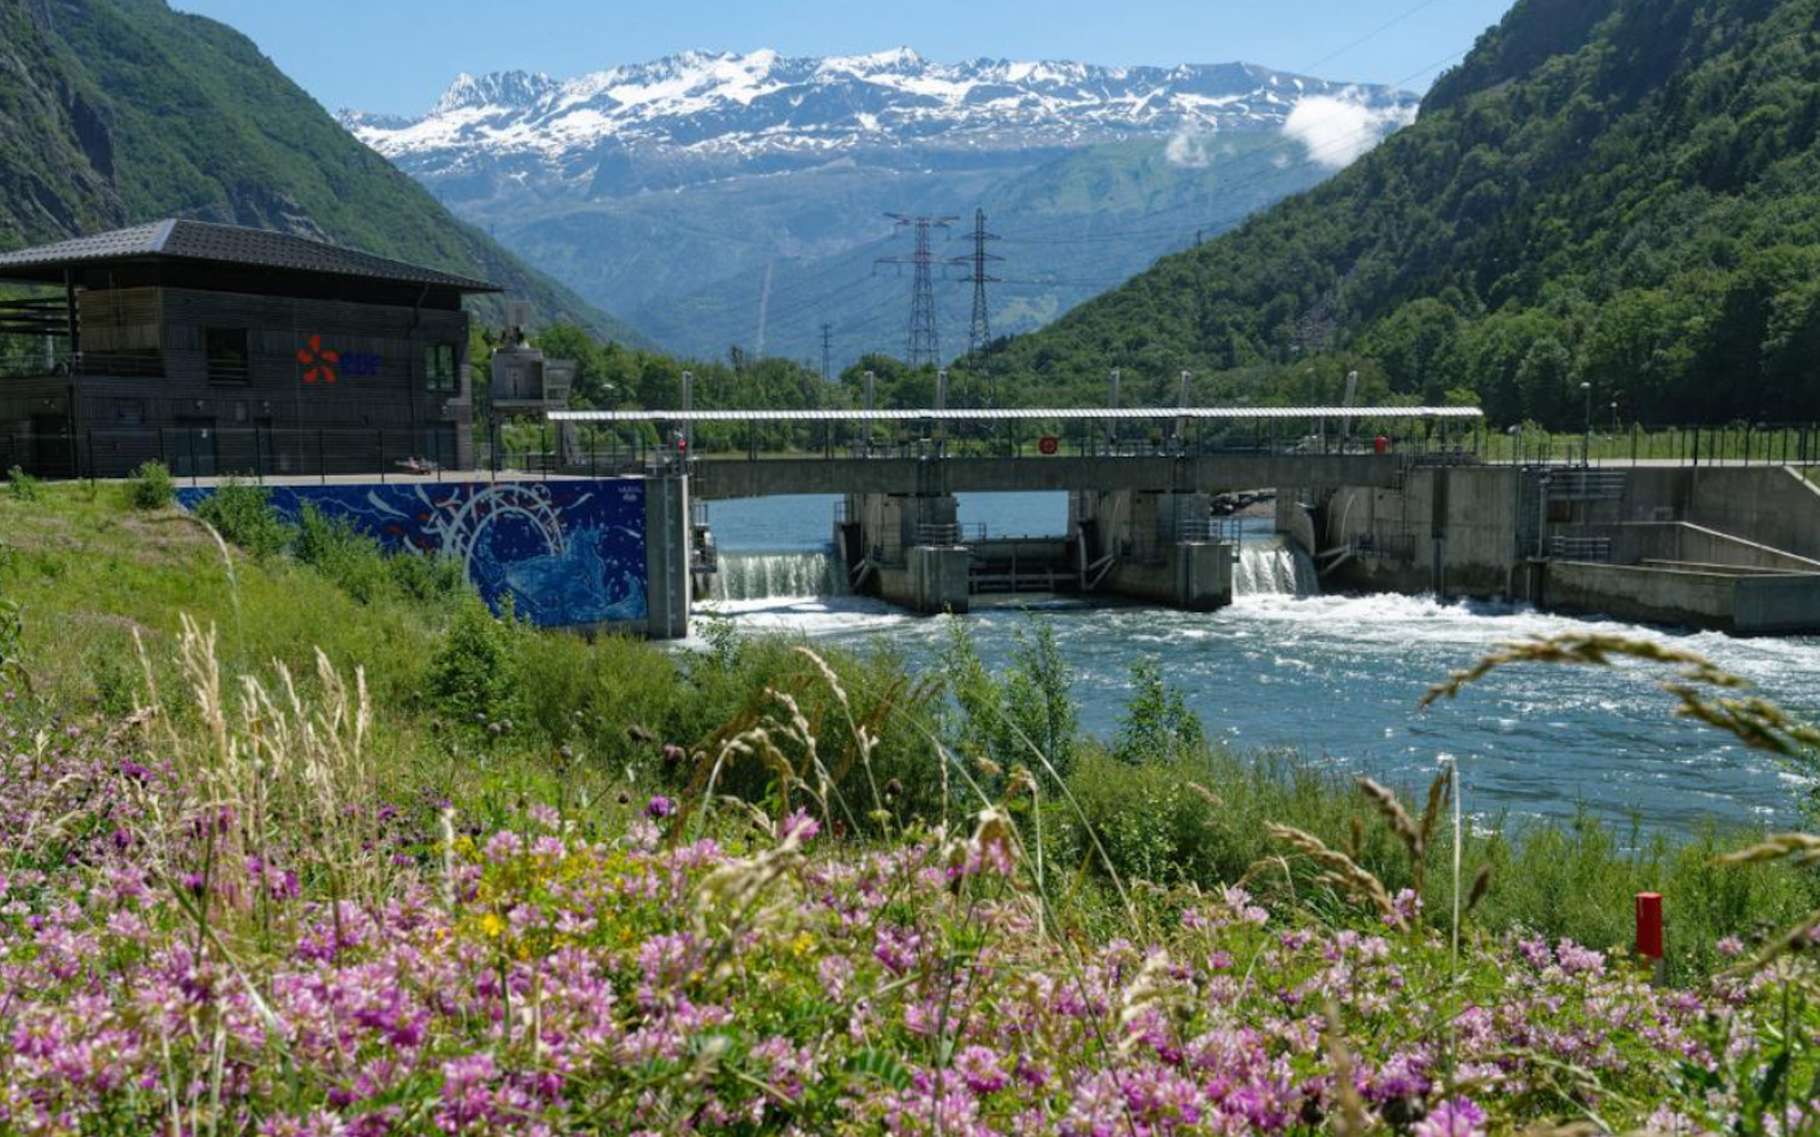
x=1649, y=930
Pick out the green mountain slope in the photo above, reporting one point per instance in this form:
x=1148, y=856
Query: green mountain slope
x=119, y=111
x=1612, y=192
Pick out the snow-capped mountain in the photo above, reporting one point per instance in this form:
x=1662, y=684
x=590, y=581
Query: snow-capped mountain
x=763, y=103
x=718, y=199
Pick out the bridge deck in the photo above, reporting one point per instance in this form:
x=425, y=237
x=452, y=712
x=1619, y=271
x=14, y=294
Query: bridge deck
x=713, y=479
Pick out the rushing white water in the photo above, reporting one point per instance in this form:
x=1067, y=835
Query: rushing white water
x=1337, y=678
x=1272, y=566
x=765, y=576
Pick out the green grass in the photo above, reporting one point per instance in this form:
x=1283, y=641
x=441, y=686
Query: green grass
x=585, y=721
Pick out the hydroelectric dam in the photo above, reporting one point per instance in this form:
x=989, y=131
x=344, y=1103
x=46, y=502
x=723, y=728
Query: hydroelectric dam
x=605, y=529
x=1386, y=499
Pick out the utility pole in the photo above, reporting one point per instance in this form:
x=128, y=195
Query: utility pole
x=922, y=344
x=979, y=332
x=827, y=352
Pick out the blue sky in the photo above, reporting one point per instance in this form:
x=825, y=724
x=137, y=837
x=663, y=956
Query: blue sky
x=398, y=55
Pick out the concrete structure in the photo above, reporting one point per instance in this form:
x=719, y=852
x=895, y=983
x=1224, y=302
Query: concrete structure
x=669, y=550
x=720, y=478
x=218, y=349
x=588, y=554
x=1731, y=548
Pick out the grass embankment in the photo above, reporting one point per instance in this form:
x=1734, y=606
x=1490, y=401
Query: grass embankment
x=458, y=906
x=489, y=715
x=425, y=900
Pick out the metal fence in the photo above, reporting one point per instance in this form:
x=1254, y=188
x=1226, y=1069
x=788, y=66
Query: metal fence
x=1597, y=549
x=199, y=451
x=1639, y=444
x=254, y=453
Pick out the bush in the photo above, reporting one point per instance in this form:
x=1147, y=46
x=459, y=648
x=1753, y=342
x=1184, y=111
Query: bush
x=428, y=578
x=1158, y=724
x=151, y=487
x=333, y=547
x=242, y=513
x=1152, y=825
x=362, y=568
x=22, y=484
x=472, y=674
x=1030, y=706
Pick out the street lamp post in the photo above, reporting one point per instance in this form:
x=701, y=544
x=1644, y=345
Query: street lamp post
x=1586, y=440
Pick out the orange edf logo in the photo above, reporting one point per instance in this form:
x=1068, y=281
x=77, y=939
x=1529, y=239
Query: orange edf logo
x=321, y=361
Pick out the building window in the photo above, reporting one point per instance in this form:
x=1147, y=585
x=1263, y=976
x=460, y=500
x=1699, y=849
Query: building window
x=439, y=367
x=229, y=361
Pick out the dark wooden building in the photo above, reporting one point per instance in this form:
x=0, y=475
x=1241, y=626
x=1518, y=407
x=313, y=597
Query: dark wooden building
x=219, y=349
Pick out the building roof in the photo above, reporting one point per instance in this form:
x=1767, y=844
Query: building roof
x=1022, y=414
x=178, y=239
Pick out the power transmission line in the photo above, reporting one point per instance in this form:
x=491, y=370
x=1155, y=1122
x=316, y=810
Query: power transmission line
x=827, y=350
x=979, y=332
x=922, y=342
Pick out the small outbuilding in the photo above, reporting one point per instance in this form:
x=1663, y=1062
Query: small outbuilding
x=219, y=349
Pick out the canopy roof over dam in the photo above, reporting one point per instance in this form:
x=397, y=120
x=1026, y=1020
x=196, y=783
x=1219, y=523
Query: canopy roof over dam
x=1018, y=414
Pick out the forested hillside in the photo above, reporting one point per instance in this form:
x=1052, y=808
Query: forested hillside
x=114, y=112
x=1615, y=192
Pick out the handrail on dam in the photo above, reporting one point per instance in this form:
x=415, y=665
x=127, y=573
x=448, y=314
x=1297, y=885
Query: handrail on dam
x=1435, y=433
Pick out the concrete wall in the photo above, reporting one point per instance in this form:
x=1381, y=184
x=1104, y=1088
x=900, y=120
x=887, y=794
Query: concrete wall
x=569, y=553
x=1777, y=605
x=1771, y=505
x=1746, y=604
x=1474, y=509
x=1196, y=576
x=934, y=579
x=668, y=588
x=1649, y=595
x=1637, y=541
x=1294, y=522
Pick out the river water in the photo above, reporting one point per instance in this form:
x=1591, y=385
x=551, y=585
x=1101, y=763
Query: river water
x=1335, y=678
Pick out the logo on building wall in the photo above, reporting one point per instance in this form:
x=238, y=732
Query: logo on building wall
x=322, y=362
x=325, y=364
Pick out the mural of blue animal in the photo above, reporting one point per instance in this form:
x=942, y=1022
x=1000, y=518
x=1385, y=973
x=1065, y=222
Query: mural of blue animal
x=566, y=553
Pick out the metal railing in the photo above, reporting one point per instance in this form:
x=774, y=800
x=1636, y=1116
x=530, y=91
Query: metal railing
x=1587, y=483
x=950, y=533
x=253, y=453
x=1396, y=544
x=1597, y=549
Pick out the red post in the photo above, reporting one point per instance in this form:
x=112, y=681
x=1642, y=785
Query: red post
x=1649, y=926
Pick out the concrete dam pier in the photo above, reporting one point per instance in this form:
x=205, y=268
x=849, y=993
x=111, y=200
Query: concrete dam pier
x=1160, y=546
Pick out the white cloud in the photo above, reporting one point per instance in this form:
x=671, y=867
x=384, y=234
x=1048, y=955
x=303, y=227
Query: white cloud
x=1336, y=130
x=1191, y=149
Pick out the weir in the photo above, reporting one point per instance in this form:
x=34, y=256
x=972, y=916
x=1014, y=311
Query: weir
x=1733, y=548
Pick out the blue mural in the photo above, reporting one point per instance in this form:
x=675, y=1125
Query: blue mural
x=567, y=553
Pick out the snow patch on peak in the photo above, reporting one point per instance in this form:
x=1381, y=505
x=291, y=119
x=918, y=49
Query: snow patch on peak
x=728, y=105
x=512, y=90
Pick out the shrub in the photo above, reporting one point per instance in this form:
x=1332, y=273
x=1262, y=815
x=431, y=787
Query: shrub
x=472, y=676
x=242, y=513
x=22, y=484
x=1032, y=706
x=362, y=568
x=1158, y=724
x=1151, y=824
x=428, y=578
x=151, y=487
x=333, y=547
